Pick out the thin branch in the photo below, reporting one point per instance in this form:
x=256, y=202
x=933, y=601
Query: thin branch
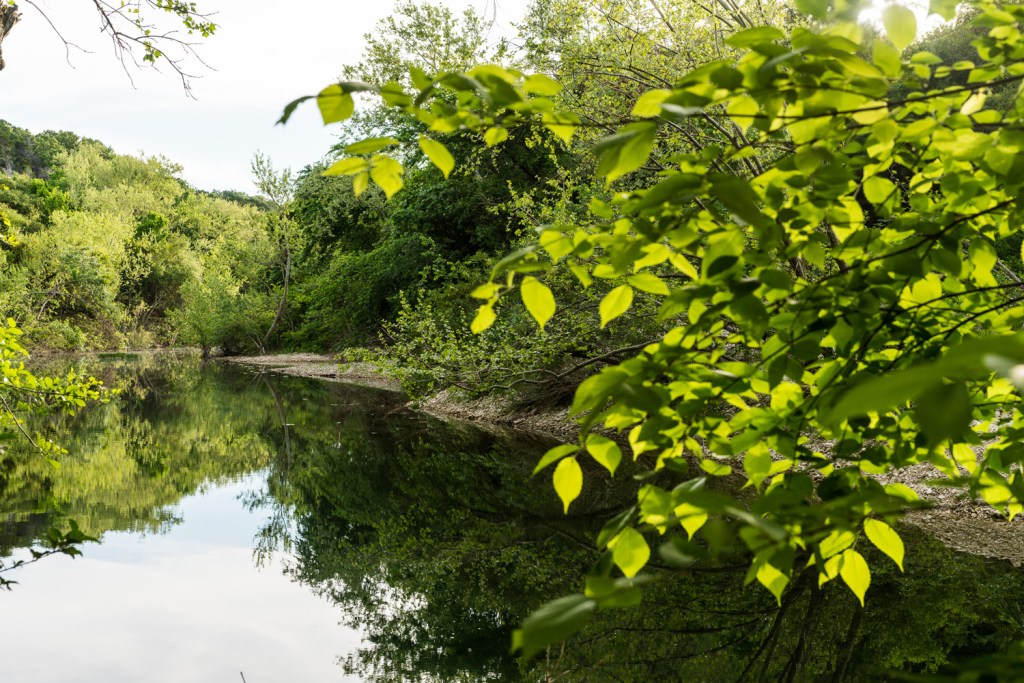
x=17, y=422
x=67, y=43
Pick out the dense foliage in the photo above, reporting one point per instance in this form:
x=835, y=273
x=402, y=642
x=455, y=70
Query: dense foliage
x=774, y=250
x=817, y=213
x=101, y=250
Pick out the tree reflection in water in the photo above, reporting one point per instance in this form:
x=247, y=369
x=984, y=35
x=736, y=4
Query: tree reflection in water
x=433, y=539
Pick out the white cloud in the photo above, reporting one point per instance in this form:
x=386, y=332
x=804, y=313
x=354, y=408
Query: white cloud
x=186, y=606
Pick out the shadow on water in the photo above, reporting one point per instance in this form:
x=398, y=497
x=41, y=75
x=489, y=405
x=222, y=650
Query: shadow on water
x=434, y=541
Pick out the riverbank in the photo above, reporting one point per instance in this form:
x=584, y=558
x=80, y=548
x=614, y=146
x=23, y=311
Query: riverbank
x=961, y=523
x=487, y=411
x=319, y=366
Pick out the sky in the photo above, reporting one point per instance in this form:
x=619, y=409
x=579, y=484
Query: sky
x=264, y=54
x=185, y=606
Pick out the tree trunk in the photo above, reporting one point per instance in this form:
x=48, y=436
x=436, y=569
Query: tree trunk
x=283, y=302
x=9, y=16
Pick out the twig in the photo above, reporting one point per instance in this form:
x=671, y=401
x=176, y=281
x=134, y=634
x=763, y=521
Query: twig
x=17, y=422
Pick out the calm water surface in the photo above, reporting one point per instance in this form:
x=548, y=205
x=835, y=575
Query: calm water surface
x=297, y=530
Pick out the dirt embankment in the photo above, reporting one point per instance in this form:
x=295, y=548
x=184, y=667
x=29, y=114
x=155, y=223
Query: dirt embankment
x=486, y=412
x=319, y=366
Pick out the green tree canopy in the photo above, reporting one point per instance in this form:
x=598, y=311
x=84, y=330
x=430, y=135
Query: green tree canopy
x=833, y=304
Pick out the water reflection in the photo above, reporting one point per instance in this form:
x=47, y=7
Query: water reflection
x=428, y=540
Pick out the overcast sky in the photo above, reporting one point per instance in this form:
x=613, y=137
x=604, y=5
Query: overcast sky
x=265, y=53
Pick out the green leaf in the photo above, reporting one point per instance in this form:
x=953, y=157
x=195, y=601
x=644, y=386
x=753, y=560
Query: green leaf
x=387, y=173
x=554, y=455
x=360, y=182
x=335, y=104
x=615, y=303
x=556, y=244
x=552, y=623
x=855, y=573
x=568, y=480
x=605, y=451
x=883, y=393
x=350, y=166
x=769, y=576
x=715, y=468
x=438, y=154
x=885, y=539
x=754, y=36
x=738, y=196
x=878, y=190
x=648, y=105
x=900, y=25
x=419, y=77
x=886, y=58
x=539, y=300
x=495, y=135
x=836, y=542
x=539, y=84
x=630, y=551
x=626, y=150
x=370, y=145
x=757, y=464
x=944, y=8
x=484, y=319
x=816, y=8
x=562, y=125
x=944, y=411
x=290, y=109
x=646, y=282
x=486, y=291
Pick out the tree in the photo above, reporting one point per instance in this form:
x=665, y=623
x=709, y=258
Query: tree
x=279, y=188
x=142, y=32
x=834, y=312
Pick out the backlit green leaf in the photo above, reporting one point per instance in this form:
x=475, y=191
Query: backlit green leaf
x=539, y=300
x=554, y=455
x=878, y=190
x=387, y=173
x=568, y=480
x=630, y=551
x=883, y=393
x=626, y=151
x=900, y=25
x=350, y=166
x=615, y=303
x=648, y=105
x=647, y=282
x=370, y=145
x=771, y=578
x=605, y=451
x=885, y=539
x=944, y=8
x=855, y=573
x=335, y=104
x=539, y=84
x=495, y=135
x=438, y=154
x=754, y=36
x=360, y=182
x=484, y=319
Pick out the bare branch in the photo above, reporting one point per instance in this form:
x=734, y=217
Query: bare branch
x=67, y=43
x=138, y=32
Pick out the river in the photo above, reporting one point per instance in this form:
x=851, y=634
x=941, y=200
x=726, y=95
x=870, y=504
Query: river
x=259, y=527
